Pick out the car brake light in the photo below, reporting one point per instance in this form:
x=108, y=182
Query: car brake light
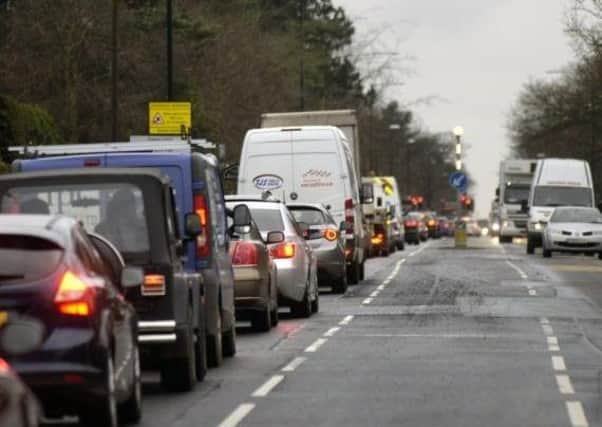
x=349, y=215
x=154, y=285
x=74, y=297
x=378, y=239
x=202, y=241
x=244, y=253
x=4, y=367
x=330, y=234
x=431, y=222
x=283, y=250
x=411, y=223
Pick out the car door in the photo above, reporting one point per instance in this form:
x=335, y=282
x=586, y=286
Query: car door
x=305, y=273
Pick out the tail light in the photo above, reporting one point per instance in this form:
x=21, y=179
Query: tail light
x=432, y=223
x=4, y=367
x=202, y=241
x=74, y=297
x=378, y=239
x=244, y=253
x=411, y=223
x=154, y=285
x=330, y=234
x=284, y=250
x=349, y=216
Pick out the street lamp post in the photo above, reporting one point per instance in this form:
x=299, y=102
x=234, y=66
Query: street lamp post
x=406, y=184
x=460, y=230
x=392, y=127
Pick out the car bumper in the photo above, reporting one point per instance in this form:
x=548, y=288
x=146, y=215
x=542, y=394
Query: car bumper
x=289, y=286
x=578, y=245
x=251, y=289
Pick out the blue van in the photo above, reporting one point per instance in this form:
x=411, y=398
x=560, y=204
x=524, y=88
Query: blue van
x=195, y=178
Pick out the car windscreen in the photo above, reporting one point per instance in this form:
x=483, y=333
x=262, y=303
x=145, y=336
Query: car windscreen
x=516, y=194
x=268, y=219
x=27, y=258
x=562, y=196
x=577, y=215
x=114, y=210
x=308, y=215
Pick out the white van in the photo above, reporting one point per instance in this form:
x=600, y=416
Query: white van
x=557, y=182
x=307, y=164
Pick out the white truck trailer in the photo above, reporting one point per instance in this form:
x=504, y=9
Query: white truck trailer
x=516, y=176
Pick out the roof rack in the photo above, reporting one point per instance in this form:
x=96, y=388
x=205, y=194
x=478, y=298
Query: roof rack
x=148, y=146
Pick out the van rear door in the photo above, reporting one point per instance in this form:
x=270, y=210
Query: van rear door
x=318, y=170
x=267, y=163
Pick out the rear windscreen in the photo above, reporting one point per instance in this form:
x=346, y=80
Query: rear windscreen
x=268, y=219
x=308, y=216
x=27, y=258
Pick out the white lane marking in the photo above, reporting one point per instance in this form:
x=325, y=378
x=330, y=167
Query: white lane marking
x=564, y=384
x=402, y=261
x=576, y=414
x=268, y=386
x=558, y=363
x=316, y=345
x=374, y=294
x=367, y=301
x=532, y=292
x=382, y=287
x=544, y=321
x=331, y=331
x=294, y=364
x=346, y=320
x=552, y=347
x=552, y=340
x=520, y=272
x=547, y=329
x=237, y=415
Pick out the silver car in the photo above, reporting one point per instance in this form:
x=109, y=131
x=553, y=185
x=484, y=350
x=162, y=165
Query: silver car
x=573, y=229
x=296, y=264
x=327, y=243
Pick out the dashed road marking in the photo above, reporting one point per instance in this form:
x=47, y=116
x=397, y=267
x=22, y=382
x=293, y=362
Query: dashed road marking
x=547, y=329
x=294, y=364
x=374, y=294
x=552, y=340
x=381, y=287
x=316, y=345
x=331, y=331
x=558, y=363
x=268, y=386
x=520, y=272
x=346, y=320
x=544, y=321
x=367, y=301
x=576, y=414
x=237, y=415
x=532, y=292
x=552, y=347
x=564, y=384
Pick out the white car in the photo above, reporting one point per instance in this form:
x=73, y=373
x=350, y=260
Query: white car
x=573, y=229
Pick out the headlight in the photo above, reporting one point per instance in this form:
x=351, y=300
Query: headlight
x=505, y=224
x=538, y=226
x=495, y=226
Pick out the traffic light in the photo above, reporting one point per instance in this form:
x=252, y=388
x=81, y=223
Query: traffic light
x=467, y=202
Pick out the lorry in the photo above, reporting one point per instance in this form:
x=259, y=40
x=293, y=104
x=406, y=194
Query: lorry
x=346, y=120
x=514, y=187
x=557, y=182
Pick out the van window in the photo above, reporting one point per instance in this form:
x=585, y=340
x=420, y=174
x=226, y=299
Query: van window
x=351, y=173
x=562, y=196
x=308, y=215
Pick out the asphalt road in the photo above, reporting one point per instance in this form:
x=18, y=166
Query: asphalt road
x=434, y=337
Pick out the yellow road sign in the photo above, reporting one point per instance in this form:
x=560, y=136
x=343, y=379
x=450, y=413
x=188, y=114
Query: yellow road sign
x=167, y=118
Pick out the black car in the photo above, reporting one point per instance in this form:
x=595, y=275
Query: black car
x=88, y=360
x=135, y=210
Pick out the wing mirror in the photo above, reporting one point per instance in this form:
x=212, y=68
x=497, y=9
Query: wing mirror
x=242, y=219
x=275, y=237
x=132, y=277
x=192, y=225
x=20, y=336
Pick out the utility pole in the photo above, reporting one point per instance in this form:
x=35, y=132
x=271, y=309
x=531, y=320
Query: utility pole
x=114, y=73
x=169, y=50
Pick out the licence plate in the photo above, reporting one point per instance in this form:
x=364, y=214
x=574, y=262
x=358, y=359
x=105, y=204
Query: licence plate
x=575, y=241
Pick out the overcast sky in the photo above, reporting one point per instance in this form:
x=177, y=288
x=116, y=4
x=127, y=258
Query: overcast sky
x=474, y=56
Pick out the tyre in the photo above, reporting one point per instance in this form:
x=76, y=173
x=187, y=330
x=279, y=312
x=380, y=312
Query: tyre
x=547, y=253
x=353, y=273
x=401, y=245
x=384, y=252
x=229, y=342
x=315, y=304
x=340, y=286
x=363, y=270
x=104, y=411
x=130, y=411
x=599, y=255
x=261, y=321
x=530, y=246
x=215, y=355
x=200, y=352
x=274, y=317
x=302, y=308
x=179, y=374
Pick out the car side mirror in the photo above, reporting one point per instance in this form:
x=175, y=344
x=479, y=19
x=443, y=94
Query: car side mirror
x=132, y=277
x=192, y=225
x=241, y=219
x=275, y=237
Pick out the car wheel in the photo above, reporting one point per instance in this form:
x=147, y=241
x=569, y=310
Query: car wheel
x=315, y=304
x=384, y=252
x=340, y=286
x=401, y=245
x=261, y=321
x=179, y=374
x=229, y=342
x=353, y=273
x=274, y=316
x=302, y=308
x=547, y=253
x=130, y=411
x=530, y=246
x=104, y=413
x=215, y=355
x=363, y=270
x=200, y=352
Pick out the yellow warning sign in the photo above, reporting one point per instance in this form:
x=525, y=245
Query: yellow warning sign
x=168, y=118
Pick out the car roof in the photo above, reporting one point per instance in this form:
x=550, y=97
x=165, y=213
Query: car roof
x=49, y=227
x=307, y=205
x=251, y=198
x=258, y=204
x=90, y=171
